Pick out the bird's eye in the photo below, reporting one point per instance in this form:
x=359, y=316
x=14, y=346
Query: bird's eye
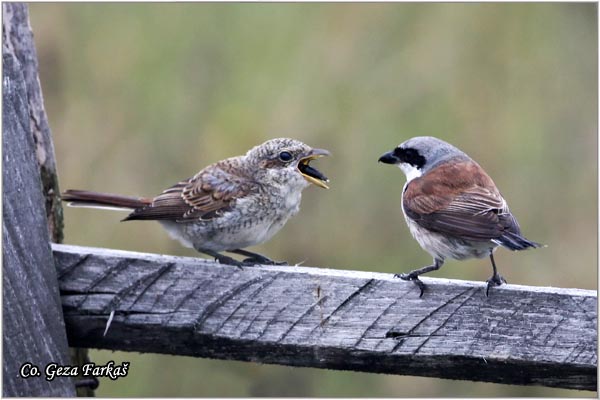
x=285, y=156
x=410, y=156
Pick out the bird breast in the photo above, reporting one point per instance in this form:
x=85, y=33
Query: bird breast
x=443, y=246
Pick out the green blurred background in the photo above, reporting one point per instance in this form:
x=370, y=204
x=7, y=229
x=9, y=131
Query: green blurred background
x=142, y=95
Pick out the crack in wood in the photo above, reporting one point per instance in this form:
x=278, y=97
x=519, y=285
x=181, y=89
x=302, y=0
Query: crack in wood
x=112, y=269
x=554, y=328
x=159, y=297
x=395, y=335
x=87, y=292
x=277, y=314
x=506, y=321
x=342, y=305
x=189, y=295
x=79, y=293
x=429, y=315
x=382, y=314
x=573, y=359
x=256, y=314
x=252, y=295
x=260, y=312
x=304, y=314
x=120, y=296
x=433, y=334
x=590, y=317
x=62, y=273
x=215, y=305
x=152, y=278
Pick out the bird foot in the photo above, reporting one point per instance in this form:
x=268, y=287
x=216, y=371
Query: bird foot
x=262, y=260
x=415, y=279
x=495, y=280
x=230, y=261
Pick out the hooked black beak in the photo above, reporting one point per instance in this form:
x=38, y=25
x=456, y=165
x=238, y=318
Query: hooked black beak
x=389, y=158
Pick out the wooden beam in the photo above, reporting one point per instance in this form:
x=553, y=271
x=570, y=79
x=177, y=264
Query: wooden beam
x=33, y=326
x=327, y=318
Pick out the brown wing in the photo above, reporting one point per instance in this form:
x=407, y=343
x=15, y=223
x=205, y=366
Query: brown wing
x=208, y=194
x=459, y=199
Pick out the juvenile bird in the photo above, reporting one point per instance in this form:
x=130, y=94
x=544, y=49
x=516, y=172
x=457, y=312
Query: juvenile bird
x=452, y=207
x=229, y=205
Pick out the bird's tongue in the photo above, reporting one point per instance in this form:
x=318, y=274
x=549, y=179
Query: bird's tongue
x=308, y=170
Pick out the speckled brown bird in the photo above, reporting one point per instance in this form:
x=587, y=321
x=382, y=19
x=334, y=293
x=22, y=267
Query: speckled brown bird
x=229, y=205
x=452, y=207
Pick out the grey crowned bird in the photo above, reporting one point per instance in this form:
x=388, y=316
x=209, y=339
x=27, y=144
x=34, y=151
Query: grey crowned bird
x=229, y=205
x=452, y=207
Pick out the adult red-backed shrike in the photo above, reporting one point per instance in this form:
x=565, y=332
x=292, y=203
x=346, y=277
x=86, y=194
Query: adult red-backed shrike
x=452, y=207
x=232, y=204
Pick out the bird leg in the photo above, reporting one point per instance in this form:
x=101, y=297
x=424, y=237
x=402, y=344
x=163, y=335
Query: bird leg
x=496, y=279
x=255, y=258
x=414, y=275
x=223, y=259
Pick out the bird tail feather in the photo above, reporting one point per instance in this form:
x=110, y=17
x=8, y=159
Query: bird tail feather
x=514, y=241
x=85, y=198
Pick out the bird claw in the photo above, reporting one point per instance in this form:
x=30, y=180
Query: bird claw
x=415, y=279
x=495, y=280
x=229, y=261
x=251, y=261
x=403, y=276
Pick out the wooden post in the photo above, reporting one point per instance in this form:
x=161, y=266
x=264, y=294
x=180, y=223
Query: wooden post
x=19, y=42
x=33, y=325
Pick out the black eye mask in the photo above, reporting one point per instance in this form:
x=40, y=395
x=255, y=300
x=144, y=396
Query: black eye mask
x=410, y=156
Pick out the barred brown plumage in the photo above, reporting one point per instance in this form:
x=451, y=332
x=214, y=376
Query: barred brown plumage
x=229, y=205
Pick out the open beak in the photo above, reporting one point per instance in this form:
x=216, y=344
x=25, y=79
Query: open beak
x=312, y=174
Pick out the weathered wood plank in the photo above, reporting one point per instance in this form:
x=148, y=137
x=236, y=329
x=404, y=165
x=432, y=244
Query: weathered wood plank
x=19, y=42
x=33, y=327
x=324, y=318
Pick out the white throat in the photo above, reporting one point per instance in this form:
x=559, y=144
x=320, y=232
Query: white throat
x=410, y=171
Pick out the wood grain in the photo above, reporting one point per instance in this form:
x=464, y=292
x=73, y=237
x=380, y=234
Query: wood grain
x=18, y=41
x=325, y=318
x=33, y=327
